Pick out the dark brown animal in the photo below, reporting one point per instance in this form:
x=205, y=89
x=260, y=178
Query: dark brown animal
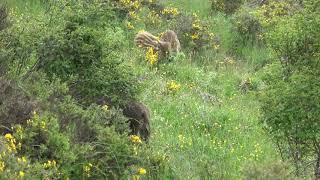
x=139, y=119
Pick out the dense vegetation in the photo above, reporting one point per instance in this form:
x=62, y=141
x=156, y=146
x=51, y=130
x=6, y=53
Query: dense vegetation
x=239, y=102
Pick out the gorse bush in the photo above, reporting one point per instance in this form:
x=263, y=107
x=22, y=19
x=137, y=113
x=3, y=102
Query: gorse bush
x=226, y=6
x=247, y=25
x=15, y=166
x=42, y=139
x=271, y=12
x=194, y=33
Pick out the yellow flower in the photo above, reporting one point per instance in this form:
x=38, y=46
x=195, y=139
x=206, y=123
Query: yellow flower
x=29, y=121
x=87, y=169
x=22, y=159
x=19, y=129
x=136, y=177
x=43, y=125
x=8, y=136
x=21, y=173
x=105, y=107
x=34, y=113
x=195, y=15
x=151, y=56
x=173, y=86
x=196, y=26
x=170, y=10
x=142, y=171
x=194, y=36
x=129, y=25
x=2, y=166
x=50, y=164
x=136, y=4
x=160, y=34
x=216, y=46
x=135, y=139
x=133, y=15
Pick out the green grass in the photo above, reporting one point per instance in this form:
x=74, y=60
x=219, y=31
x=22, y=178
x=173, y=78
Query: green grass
x=202, y=7
x=34, y=6
x=216, y=138
x=203, y=138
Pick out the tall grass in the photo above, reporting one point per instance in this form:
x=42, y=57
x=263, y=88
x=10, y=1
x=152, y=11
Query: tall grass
x=33, y=6
x=202, y=7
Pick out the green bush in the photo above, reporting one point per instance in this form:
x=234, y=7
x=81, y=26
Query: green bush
x=272, y=12
x=226, y=6
x=193, y=33
x=17, y=166
x=290, y=103
x=290, y=111
x=247, y=26
x=69, y=53
x=42, y=139
x=296, y=40
x=79, y=44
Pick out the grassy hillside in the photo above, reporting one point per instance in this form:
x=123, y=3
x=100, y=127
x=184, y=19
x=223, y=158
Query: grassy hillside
x=207, y=126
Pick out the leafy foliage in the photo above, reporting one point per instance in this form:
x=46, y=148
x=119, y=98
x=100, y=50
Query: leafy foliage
x=226, y=6
x=194, y=33
x=247, y=25
x=291, y=103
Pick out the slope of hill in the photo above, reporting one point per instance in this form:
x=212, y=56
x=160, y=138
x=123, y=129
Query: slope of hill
x=205, y=112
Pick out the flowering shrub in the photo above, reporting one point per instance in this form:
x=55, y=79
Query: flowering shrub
x=43, y=130
x=154, y=5
x=15, y=165
x=151, y=56
x=194, y=33
x=248, y=25
x=270, y=13
x=153, y=19
x=226, y=6
x=170, y=12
